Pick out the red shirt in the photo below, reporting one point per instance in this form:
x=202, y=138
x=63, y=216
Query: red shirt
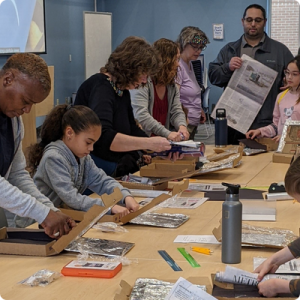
x=160, y=107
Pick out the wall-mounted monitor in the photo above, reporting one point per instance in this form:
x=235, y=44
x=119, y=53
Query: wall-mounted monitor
x=22, y=26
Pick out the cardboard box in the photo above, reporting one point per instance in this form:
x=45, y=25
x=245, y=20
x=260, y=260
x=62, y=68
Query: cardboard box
x=161, y=186
x=167, y=169
x=126, y=288
x=270, y=143
x=226, y=291
x=79, y=215
x=282, y=158
x=34, y=242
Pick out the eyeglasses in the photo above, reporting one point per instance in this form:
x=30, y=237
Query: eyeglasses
x=256, y=20
x=197, y=48
x=287, y=73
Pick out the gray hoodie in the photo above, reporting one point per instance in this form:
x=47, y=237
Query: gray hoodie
x=63, y=179
x=19, y=196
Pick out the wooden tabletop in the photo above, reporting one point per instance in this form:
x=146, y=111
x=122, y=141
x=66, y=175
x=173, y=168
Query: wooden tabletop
x=146, y=262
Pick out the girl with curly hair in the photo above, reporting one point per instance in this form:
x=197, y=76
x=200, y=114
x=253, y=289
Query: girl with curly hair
x=157, y=105
x=106, y=93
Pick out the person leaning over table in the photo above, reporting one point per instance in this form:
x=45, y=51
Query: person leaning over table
x=256, y=44
x=192, y=41
x=157, y=105
x=24, y=81
x=272, y=287
x=107, y=94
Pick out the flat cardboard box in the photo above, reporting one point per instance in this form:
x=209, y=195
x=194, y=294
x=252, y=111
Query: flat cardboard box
x=167, y=169
x=140, y=186
x=126, y=288
x=230, y=291
x=282, y=158
x=79, y=215
x=34, y=242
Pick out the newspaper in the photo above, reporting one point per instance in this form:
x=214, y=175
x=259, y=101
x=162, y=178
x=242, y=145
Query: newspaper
x=246, y=92
x=238, y=276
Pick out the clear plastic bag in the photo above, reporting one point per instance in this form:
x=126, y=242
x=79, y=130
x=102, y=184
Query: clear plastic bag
x=110, y=227
x=41, y=278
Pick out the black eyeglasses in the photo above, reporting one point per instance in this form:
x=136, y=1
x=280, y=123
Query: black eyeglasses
x=197, y=48
x=256, y=20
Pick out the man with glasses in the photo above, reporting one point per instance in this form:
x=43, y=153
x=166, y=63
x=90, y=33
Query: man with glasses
x=256, y=44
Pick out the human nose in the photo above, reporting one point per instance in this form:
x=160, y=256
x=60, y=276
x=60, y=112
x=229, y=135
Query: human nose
x=91, y=147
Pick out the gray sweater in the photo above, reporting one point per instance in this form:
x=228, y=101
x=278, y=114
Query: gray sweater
x=142, y=101
x=19, y=196
x=63, y=179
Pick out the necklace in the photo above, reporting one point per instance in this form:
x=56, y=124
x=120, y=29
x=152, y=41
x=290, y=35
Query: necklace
x=116, y=89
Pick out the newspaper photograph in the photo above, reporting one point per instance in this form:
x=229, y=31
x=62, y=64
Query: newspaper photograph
x=246, y=92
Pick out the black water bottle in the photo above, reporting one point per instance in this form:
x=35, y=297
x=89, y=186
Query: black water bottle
x=231, y=225
x=221, y=130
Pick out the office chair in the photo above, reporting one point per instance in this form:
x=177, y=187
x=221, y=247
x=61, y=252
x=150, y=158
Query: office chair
x=205, y=106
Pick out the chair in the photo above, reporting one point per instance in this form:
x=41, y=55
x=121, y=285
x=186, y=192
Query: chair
x=205, y=106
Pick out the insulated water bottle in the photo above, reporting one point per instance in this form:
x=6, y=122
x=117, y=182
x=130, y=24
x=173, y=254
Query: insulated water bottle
x=231, y=225
x=221, y=128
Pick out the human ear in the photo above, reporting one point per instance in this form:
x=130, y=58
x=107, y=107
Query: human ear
x=8, y=78
x=69, y=132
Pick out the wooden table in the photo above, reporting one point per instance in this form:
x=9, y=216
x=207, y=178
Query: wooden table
x=257, y=171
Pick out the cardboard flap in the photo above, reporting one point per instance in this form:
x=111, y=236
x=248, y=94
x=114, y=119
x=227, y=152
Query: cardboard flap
x=217, y=232
x=125, y=291
x=178, y=188
x=3, y=233
x=113, y=198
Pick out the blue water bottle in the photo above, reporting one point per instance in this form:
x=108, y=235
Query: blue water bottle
x=221, y=130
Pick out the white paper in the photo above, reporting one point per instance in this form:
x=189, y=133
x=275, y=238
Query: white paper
x=189, y=144
x=184, y=290
x=206, y=187
x=290, y=267
x=218, y=31
x=201, y=239
x=182, y=202
x=245, y=94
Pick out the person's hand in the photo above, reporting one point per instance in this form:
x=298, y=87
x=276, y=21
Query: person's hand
x=147, y=159
x=235, y=63
x=276, y=138
x=266, y=267
x=57, y=224
x=271, y=287
x=174, y=136
x=183, y=130
x=131, y=204
x=203, y=117
x=251, y=134
x=158, y=144
x=117, y=209
x=173, y=156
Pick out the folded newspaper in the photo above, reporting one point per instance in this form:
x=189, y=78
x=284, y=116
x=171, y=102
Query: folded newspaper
x=238, y=276
x=245, y=94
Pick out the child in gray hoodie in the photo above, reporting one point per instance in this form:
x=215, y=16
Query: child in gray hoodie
x=64, y=167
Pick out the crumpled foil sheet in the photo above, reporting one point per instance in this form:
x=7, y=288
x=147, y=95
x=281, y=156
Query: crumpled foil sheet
x=99, y=247
x=266, y=236
x=160, y=220
x=152, y=289
x=218, y=156
x=290, y=128
x=221, y=164
x=249, y=151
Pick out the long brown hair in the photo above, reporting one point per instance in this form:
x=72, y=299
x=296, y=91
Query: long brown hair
x=292, y=178
x=131, y=59
x=168, y=51
x=296, y=60
x=79, y=117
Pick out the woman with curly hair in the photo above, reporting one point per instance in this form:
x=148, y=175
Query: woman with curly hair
x=192, y=41
x=106, y=93
x=157, y=105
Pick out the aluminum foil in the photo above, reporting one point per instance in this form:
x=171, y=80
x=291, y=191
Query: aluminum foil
x=290, y=129
x=160, y=220
x=218, y=156
x=99, y=247
x=249, y=151
x=221, y=163
x=265, y=236
x=152, y=289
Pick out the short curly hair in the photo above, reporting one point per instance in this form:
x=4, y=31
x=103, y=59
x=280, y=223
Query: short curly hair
x=168, y=51
x=31, y=65
x=131, y=59
x=187, y=34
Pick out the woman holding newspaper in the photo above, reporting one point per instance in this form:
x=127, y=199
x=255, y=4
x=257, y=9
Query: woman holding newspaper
x=286, y=106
